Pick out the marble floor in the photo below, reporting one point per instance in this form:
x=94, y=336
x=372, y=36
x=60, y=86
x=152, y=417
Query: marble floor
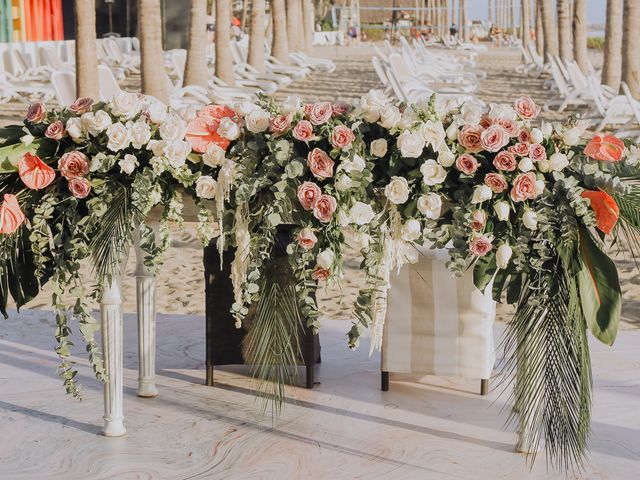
x=346, y=428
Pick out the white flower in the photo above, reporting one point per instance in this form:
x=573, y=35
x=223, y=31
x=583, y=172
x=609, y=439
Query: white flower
x=530, y=220
x=410, y=144
x=173, y=128
x=156, y=111
x=430, y=205
x=571, y=136
x=257, y=121
x=389, y=116
x=343, y=218
x=446, y=158
x=157, y=147
x=433, y=134
x=432, y=173
x=501, y=111
x=502, y=210
x=452, y=132
x=27, y=139
x=325, y=259
x=228, y=129
x=558, y=161
x=159, y=165
x=140, y=133
x=411, y=230
x=536, y=135
x=357, y=164
x=471, y=113
x=547, y=129
x=525, y=164
x=155, y=196
x=128, y=164
x=544, y=165
x=503, y=255
x=361, y=213
x=378, y=147
x=409, y=118
x=125, y=104
x=539, y=187
x=95, y=123
x=188, y=113
x=397, y=191
x=372, y=103
x=481, y=193
x=633, y=155
x=292, y=104
x=118, y=137
x=343, y=183
x=206, y=187
x=214, y=156
x=74, y=128
x=176, y=152
x=244, y=108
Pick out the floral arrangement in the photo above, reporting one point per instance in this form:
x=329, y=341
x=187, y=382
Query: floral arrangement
x=528, y=208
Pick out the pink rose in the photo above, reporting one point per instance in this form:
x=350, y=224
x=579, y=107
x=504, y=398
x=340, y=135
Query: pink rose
x=306, y=238
x=467, y=164
x=520, y=149
x=526, y=108
x=469, y=138
x=79, y=187
x=55, y=131
x=320, y=164
x=339, y=108
x=478, y=220
x=81, y=105
x=73, y=164
x=495, y=182
x=485, y=121
x=303, y=131
x=324, y=208
x=510, y=126
x=524, y=136
x=320, y=273
x=524, y=187
x=280, y=124
x=342, y=137
x=537, y=152
x=308, y=194
x=505, y=161
x=494, y=138
x=320, y=113
x=307, y=108
x=36, y=113
x=480, y=246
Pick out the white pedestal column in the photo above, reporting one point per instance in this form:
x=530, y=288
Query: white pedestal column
x=112, y=339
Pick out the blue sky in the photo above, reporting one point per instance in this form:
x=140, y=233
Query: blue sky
x=595, y=9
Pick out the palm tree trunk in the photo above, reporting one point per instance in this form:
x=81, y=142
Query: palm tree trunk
x=256, y=39
x=612, y=67
x=490, y=13
x=631, y=47
x=514, y=22
x=154, y=77
x=525, y=18
x=464, y=29
x=294, y=22
x=308, y=20
x=195, y=72
x=279, y=41
x=539, y=29
x=245, y=10
x=224, y=62
x=548, y=29
x=580, y=51
x=86, y=56
x=564, y=29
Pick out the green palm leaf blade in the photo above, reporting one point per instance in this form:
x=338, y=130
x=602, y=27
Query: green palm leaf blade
x=10, y=155
x=600, y=292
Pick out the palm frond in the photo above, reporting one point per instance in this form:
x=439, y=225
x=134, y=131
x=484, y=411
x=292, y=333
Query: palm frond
x=629, y=223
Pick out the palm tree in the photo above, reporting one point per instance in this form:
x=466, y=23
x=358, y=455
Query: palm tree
x=196, y=72
x=294, y=22
x=490, y=13
x=308, y=21
x=548, y=28
x=464, y=30
x=631, y=47
x=86, y=56
x=580, y=51
x=525, y=18
x=539, y=29
x=564, y=29
x=154, y=77
x=612, y=66
x=279, y=41
x=224, y=62
x=256, y=39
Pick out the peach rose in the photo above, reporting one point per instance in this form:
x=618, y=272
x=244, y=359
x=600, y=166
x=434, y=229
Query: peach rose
x=521, y=149
x=320, y=113
x=306, y=238
x=73, y=164
x=527, y=108
x=485, y=121
x=478, y=220
x=81, y=105
x=510, y=126
x=320, y=164
x=505, y=161
x=524, y=136
x=496, y=182
x=303, y=131
x=280, y=124
x=480, y=246
x=524, y=187
x=34, y=173
x=307, y=108
x=324, y=208
x=55, y=130
x=308, y=194
x=11, y=216
x=79, y=187
x=537, y=152
x=36, y=113
x=494, y=138
x=469, y=138
x=467, y=164
x=339, y=108
x=342, y=137
x=320, y=273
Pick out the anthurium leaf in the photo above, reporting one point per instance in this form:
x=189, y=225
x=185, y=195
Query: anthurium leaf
x=600, y=293
x=499, y=283
x=10, y=155
x=483, y=272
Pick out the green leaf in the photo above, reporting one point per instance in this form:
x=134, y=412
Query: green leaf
x=483, y=272
x=600, y=293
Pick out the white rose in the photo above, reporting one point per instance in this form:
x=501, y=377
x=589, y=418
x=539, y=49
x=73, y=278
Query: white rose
x=446, y=159
x=343, y=183
x=325, y=259
x=125, y=104
x=502, y=210
x=74, y=128
x=571, y=136
x=409, y=118
x=140, y=133
x=157, y=112
x=503, y=255
x=361, y=213
x=157, y=147
x=525, y=164
x=95, y=123
x=544, y=166
x=118, y=136
x=558, y=161
x=228, y=129
x=430, y=205
x=27, y=139
x=176, y=152
x=244, y=108
x=500, y=111
x=343, y=218
x=536, y=135
x=389, y=116
x=481, y=193
x=292, y=104
x=214, y=156
x=411, y=230
x=378, y=147
x=372, y=103
x=539, y=187
x=206, y=187
x=128, y=164
x=547, y=129
x=173, y=128
x=357, y=164
x=397, y=191
x=433, y=134
x=471, y=113
x=452, y=132
x=432, y=173
x=188, y=113
x=257, y=121
x=410, y=144
x=530, y=220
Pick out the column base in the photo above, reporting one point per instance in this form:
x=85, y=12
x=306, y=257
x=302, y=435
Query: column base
x=113, y=428
x=147, y=389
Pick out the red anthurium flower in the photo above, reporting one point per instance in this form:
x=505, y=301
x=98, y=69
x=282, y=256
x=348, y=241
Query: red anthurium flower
x=606, y=148
x=11, y=216
x=605, y=208
x=34, y=173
